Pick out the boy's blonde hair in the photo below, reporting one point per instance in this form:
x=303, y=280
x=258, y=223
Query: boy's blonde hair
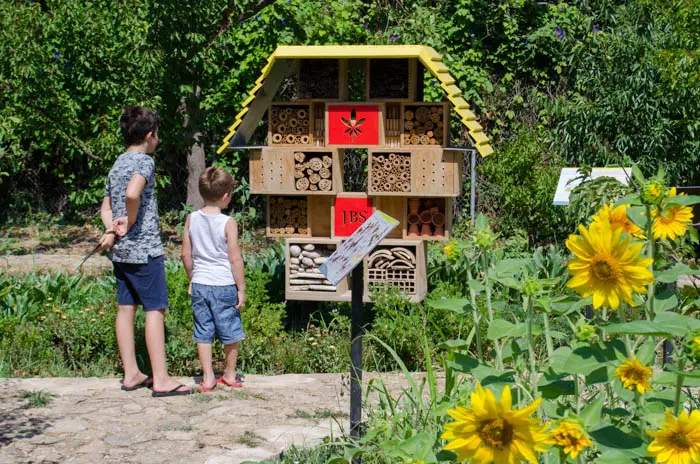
x=214, y=183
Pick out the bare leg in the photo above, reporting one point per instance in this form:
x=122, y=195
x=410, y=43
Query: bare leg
x=127, y=350
x=231, y=358
x=204, y=350
x=155, y=341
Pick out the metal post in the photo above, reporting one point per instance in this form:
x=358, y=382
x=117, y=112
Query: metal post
x=356, y=355
x=472, y=193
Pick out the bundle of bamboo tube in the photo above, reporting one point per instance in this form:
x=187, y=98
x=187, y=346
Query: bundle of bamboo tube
x=423, y=125
x=313, y=171
x=391, y=172
x=290, y=125
x=288, y=216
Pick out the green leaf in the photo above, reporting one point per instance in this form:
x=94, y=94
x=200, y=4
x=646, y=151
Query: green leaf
x=637, y=214
x=609, y=437
x=582, y=361
x=555, y=388
x=694, y=374
x=632, y=200
x=501, y=328
x=637, y=174
x=683, y=200
x=665, y=301
x=510, y=266
x=592, y=414
x=454, y=345
x=669, y=378
x=666, y=324
x=458, y=305
x=671, y=275
x=476, y=286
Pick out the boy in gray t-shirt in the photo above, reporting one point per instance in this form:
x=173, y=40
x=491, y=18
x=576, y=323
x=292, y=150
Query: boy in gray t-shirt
x=130, y=215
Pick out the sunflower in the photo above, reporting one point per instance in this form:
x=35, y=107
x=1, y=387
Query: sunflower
x=491, y=432
x=678, y=441
x=634, y=375
x=450, y=249
x=617, y=216
x=671, y=221
x=570, y=437
x=608, y=266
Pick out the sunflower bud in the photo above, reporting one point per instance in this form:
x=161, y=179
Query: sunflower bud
x=654, y=191
x=585, y=333
x=484, y=238
x=532, y=286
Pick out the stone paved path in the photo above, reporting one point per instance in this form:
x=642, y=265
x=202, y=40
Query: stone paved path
x=91, y=420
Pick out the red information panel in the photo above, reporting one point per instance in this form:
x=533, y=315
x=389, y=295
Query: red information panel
x=350, y=214
x=353, y=125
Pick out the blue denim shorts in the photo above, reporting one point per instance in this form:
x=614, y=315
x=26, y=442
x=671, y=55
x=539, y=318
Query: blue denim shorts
x=142, y=284
x=215, y=313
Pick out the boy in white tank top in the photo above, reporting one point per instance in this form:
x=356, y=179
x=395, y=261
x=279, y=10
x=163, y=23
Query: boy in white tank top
x=214, y=265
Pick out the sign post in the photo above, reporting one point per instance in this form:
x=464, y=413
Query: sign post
x=348, y=257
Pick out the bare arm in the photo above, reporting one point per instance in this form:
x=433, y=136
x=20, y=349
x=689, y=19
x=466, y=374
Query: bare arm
x=133, y=198
x=108, y=238
x=236, y=260
x=187, y=249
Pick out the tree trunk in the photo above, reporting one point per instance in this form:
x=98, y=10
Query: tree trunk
x=196, y=158
x=196, y=163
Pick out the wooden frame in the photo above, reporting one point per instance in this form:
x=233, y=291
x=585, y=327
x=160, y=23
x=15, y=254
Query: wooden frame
x=290, y=116
x=434, y=172
x=380, y=122
x=341, y=79
x=318, y=222
x=273, y=170
x=342, y=292
x=396, y=208
x=413, y=281
x=445, y=120
x=412, y=81
x=447, y=216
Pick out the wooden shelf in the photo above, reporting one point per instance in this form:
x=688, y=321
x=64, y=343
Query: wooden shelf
x=273, y=170
x=428, y=172
x=424, y=124
x=290, y=120
x=294, y=292
x=396, y=84
x=406, y=269
x=426, y=206
x=314, y=221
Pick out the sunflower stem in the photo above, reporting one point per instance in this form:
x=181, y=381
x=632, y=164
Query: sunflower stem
x=497, y=343
x=548, y=336
x=531, y=343
x=476, y=316
x=640, y=406
x=651, y=288
x=628, y=341
x=679, y=387
x=577, y=392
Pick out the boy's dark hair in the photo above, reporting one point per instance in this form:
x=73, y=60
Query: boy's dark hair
x=214, y=183
x=136, y=122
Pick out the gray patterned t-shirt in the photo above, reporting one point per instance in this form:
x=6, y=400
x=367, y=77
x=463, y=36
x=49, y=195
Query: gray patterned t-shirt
x=143, y=239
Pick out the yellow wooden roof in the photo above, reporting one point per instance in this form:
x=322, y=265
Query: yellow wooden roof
x=429, y=57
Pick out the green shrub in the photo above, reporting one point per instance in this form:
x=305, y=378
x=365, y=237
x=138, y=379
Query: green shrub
x=519, y=185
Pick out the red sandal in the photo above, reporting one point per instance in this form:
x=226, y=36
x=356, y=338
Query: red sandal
x=204, y=389
x=234, y=384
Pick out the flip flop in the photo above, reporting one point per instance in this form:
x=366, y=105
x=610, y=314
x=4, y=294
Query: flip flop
x=204, y=389
x=234, y=384
x=147, y=382
x=174, y=392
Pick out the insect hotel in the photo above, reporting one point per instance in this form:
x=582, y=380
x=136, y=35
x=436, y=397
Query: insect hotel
x=413, y=174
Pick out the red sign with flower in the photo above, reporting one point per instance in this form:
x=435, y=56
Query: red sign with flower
x=353, y=125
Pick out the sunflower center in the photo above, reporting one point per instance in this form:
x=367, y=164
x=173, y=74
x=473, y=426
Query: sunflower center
x=496, y=433
x=602, y=270
x=680, y=440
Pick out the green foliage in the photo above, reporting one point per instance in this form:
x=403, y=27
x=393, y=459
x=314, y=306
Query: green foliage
x=521, y=181
x=36, y=399
x=591, y=195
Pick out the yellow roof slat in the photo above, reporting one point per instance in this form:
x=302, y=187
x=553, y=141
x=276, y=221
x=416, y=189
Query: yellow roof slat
x=451, y=90
x=473, y=126
x=235, y=124
x=459, y=103
x=229, y=137
x=248, y=101
x=255, y=89
x=222, y=148
x=260, y=79
x=347, y=51
x=484, y=150
x=242, y=113
x=439, y=67
x=479, y=137
x=446, y=79
x=467, y=115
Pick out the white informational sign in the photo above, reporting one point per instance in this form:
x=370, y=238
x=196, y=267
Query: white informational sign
x=567, y=184
x=360, y=244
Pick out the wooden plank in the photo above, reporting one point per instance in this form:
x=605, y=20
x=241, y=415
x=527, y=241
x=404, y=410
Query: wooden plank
x=433, y=173
x=272, y=171
x=280, y=70
x=272, y=232
x=459, y=103
x=396, y=208
x=445, y=123
x=352, y=51
x=320, y=215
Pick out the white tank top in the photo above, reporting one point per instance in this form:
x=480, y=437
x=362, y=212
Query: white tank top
x=209, y=250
